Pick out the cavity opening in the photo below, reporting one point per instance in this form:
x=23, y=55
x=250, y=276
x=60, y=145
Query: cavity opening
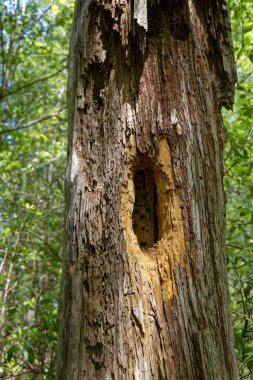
x=145, y=220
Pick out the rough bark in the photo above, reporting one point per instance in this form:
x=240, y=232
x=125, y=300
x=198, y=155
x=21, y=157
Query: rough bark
x=146, y=85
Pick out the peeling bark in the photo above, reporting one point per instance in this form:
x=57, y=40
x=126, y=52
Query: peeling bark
x=146, y=85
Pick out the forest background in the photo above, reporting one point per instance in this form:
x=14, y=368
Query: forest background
x=34, y=38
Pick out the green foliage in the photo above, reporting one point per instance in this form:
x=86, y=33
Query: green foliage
x=239, y=187
x=33, y=61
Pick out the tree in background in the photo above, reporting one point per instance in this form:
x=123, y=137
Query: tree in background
x=239, y=189
x=144, y=285
x=33, y=61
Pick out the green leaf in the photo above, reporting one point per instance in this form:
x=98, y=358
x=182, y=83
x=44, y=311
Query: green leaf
x=11, y=352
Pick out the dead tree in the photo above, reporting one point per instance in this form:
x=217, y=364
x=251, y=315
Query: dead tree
x=144, y=292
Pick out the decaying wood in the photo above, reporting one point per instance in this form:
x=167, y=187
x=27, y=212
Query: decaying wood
x=146, y=85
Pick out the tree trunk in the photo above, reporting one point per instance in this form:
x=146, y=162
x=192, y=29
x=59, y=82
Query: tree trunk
x=144, y=292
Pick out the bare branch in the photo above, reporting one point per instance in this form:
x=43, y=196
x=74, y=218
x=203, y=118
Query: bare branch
x=32, y=123
x=8, y=93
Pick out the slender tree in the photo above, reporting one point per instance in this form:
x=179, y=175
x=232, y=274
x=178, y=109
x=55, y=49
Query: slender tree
x=144, y=290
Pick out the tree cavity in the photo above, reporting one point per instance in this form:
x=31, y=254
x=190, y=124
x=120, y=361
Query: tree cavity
x=144, y=218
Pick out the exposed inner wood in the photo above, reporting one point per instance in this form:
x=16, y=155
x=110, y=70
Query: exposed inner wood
x=158, y=259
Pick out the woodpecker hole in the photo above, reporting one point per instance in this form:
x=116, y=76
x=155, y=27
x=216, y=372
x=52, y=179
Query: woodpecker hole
x=145, y=220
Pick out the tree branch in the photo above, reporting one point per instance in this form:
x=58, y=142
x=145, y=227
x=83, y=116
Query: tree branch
x=4, y=95
x=32, y=123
